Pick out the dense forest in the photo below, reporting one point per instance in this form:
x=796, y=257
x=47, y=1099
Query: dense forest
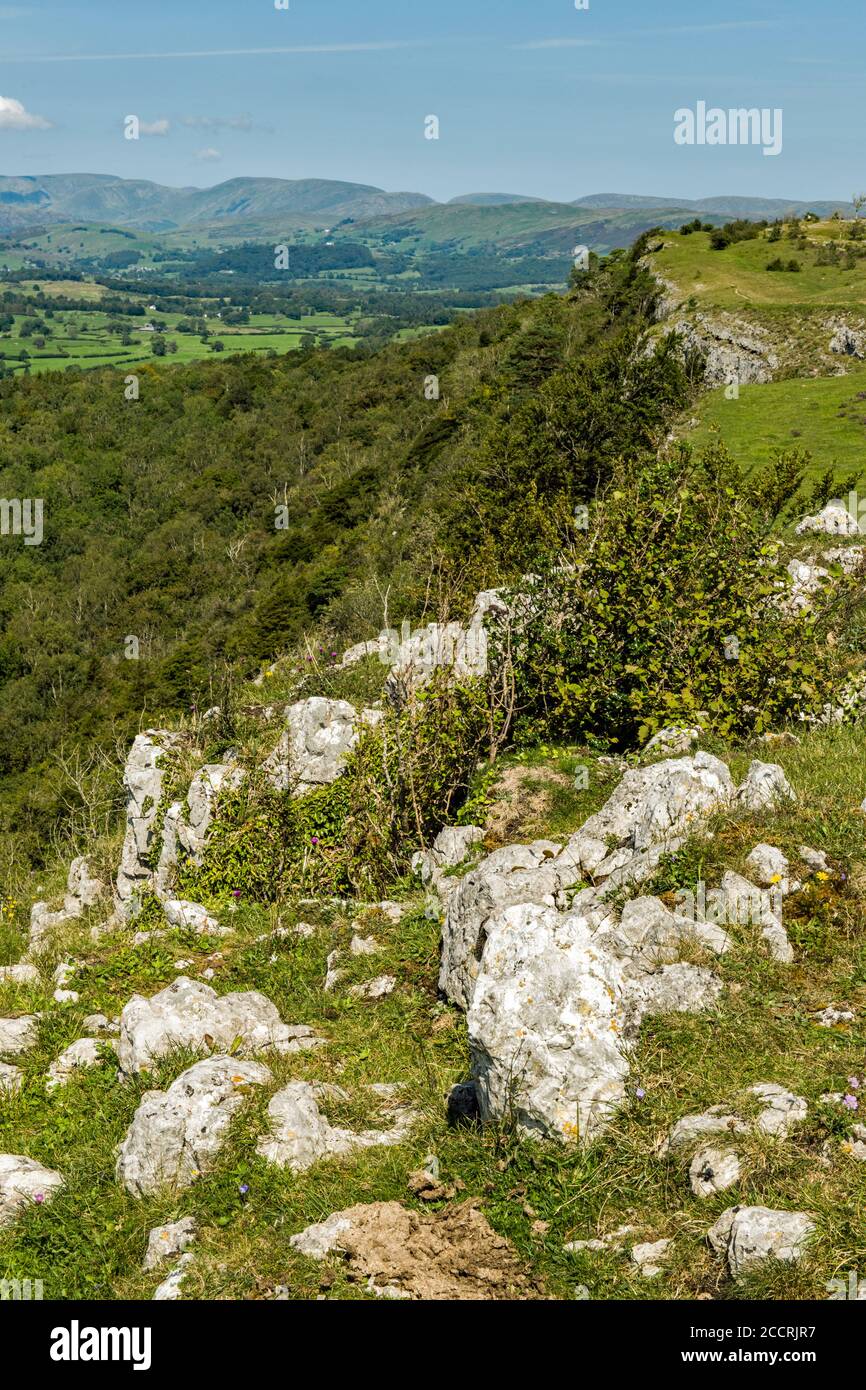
x=206, y=526
x=236, y=504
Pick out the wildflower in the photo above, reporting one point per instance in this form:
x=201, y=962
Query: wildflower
x=244, y=1189
x=854, y=1082
x=39, y=1196
x=314, y=839
x=236, y=892
x=640, y=1092
x=851, y=1102
x=822, y=876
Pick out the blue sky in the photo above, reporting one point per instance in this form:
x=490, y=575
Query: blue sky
x=533, y=96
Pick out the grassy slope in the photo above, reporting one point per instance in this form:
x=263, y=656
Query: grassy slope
x=826, y=416
x=90, y=1240
x=812, y=409
x=737, y=277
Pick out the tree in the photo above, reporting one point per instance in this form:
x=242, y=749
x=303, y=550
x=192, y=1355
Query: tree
x=157, y=345
x=859, y=201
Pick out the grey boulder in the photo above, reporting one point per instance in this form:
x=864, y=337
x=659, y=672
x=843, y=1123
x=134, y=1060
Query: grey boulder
x=176, y=1134
x=189, y=1013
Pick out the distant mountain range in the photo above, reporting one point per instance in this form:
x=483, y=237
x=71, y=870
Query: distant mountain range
x=156, y=208
x=305, y=202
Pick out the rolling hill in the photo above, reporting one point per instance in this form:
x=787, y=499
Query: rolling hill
x=155, y=207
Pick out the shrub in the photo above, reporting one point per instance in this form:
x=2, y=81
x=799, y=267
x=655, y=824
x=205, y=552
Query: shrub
x=668, y=609
x=404, y=780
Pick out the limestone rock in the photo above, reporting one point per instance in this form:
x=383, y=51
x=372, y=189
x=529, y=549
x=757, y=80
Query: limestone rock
x=10, y=1079
x=42, y=924
x=98, y=1023
x=768, y=866
x=21, y=974
x=613, y=1240
x=652, y=806
x=321, y=1239
x=82, y=889
x=191, y=917
x=509, y=876
x=313, y=748
x=850, y=342
x=170, y=1290
x=165, y=1242
x=415, y=655
x=23, y=1181
x=716, y=1120
x=806, y=581
x=300, y=1134
x=333, y=972
x=764, y=788
x=649, y=935
x=713, y=1170
x=748, y=1235
x=782, y=1109
x=451, y=846
x=374, y=989
x=674, y=989
x=363, y=946
x=832, y=520
x=207, y=785
x=143, y=779
x=359, y=652
x=650, y=1257
x=747, y=904
x=814, y=859
x=672, y=742
x=188, y=1013
x=831, y=1017
x=84, y=1052
x=176, y=1134
x=545, y=1025
x=18, y=1034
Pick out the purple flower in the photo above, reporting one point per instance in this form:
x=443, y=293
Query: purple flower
x=851, y=1102
x=314, y=839
x=244, y=1189
x=640, y=1092
x=854, y=1083
x=39, y=1196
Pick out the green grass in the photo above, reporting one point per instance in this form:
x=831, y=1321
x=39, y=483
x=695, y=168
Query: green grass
x=737, y=278
x=824, y=415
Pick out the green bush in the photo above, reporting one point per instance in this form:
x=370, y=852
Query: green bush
x=667, y=609
x=404, y=780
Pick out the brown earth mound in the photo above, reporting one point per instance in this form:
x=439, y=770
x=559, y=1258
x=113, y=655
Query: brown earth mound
x=451, y=1254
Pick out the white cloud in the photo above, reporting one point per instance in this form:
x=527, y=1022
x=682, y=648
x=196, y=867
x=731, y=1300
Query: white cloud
x=219, y=122
x=14, y=117
x=731, y=24
x=210, y=155
x=562, y=43
x=160, y=127
x=212, y=52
